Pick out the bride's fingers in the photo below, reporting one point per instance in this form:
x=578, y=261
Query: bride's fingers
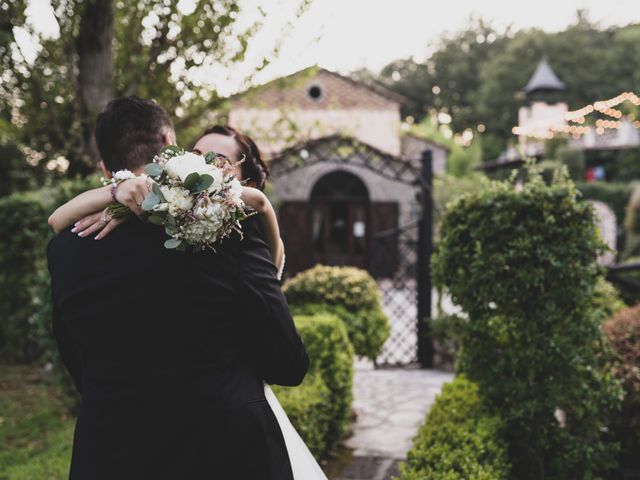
x=113, y=223
x=86, y=222
x=97, y=226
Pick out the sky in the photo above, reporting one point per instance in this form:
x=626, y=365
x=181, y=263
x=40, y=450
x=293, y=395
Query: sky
x=345, y=35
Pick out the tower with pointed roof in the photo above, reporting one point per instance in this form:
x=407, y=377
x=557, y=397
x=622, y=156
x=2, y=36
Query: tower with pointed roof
x=544, y=107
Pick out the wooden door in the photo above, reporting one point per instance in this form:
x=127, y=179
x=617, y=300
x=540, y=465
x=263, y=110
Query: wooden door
x=383, y=258
x=295, y=228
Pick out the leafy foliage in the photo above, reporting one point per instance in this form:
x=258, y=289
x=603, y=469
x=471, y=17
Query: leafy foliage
x=521, y=264
x=321, y=409
x=459, y=439
x=101, y=49
x=351, y=294
x=24, y=333
x=623, y=331
x=475, y=74
x=308, y=408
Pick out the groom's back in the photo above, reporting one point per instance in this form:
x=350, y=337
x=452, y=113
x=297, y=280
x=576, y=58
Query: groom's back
x=143, y=318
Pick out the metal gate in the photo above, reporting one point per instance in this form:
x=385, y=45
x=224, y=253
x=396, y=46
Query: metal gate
x=399, y=292
x=399, y=259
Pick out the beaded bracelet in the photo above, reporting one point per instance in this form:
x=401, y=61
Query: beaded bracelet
x=113, y=189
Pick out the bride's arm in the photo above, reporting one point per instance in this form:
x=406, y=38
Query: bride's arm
x=130, y=193
x=258, y=200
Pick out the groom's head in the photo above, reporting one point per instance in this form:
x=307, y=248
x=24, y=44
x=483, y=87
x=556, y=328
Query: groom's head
x=130, y=131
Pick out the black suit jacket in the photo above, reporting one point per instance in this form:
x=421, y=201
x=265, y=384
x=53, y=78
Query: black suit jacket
x=169, y=351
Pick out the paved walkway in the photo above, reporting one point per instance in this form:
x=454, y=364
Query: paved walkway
x=390, y=405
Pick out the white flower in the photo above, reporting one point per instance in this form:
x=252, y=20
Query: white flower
x=218, y=179
x=123, y=175
x=183, y=165
x=178, y=199
x=235, y=193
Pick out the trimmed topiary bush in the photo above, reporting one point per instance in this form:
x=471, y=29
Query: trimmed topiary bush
x=623, y=331
x=331, y=354
x=520, y=261
x=351, y=294
x=460, y=439
x=308, y=406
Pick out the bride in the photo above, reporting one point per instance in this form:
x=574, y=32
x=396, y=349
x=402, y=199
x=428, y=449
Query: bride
x=88, y=212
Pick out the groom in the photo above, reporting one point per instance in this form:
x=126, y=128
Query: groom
x=168, y=349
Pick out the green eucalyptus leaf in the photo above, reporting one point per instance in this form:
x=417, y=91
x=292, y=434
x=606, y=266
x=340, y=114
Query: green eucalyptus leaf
x=205, y=182
x=191, y=181
x=156, y=220
x=155, y=188
x=171, y=221
x=173, y=243
x=153, y=169
x=210, y=157
x=150, y=201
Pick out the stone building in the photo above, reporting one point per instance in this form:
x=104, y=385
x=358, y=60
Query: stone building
x=342, y=170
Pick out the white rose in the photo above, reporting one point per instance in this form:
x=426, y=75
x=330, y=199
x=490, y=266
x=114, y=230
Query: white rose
x=183, y=165
x=178, y=199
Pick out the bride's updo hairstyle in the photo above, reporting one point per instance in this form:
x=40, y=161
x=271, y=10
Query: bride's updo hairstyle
x=253, y=168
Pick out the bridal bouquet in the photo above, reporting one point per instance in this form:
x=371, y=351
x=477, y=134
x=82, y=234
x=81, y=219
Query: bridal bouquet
x=195, y=198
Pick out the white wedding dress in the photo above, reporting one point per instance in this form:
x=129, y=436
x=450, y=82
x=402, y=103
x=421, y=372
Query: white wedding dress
x=303, y=464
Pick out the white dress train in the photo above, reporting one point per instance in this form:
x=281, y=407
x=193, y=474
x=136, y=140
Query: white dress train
x=303, y=463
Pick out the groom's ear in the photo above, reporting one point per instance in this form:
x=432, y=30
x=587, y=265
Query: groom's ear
x=105, y=171
x=169, y=138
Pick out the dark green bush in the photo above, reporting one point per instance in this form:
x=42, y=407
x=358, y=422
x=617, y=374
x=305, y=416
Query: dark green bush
x=628, y=165
x=574, y=160
x=349, y=293
x=623, y=331
x=446, y=332
x=24, y=330
x=520, y=261
x=460, y=439
x=68, y=188
x=331, y=355
x=368, y=329
x=308, y=406
x=606, y=299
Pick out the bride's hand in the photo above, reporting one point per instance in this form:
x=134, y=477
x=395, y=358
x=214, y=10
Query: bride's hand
x=132, y=192
x=101, y=222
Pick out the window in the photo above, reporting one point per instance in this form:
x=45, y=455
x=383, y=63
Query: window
x=315, y=93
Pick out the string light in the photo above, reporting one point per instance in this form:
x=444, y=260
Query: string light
x=606, y=107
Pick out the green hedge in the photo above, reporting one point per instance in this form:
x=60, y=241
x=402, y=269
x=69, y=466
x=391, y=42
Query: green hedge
x=351, y=294
x=24, y=323
x=320, y=408
x=459, y=440
x=623, y=331
x=520, y=261
x=308, y=406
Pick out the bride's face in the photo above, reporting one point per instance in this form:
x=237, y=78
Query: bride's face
x=214, y=142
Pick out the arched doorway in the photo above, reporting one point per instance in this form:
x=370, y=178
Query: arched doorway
x=340, y=220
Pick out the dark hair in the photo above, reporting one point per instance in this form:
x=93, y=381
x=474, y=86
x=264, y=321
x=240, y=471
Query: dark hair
x=129, y=132
x=253, y=168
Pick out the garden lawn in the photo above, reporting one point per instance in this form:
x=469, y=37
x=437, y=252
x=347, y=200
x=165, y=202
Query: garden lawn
x=36, y=429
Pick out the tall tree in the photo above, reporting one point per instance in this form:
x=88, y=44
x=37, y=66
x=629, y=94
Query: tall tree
x=52, y=87
x=476, y=75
